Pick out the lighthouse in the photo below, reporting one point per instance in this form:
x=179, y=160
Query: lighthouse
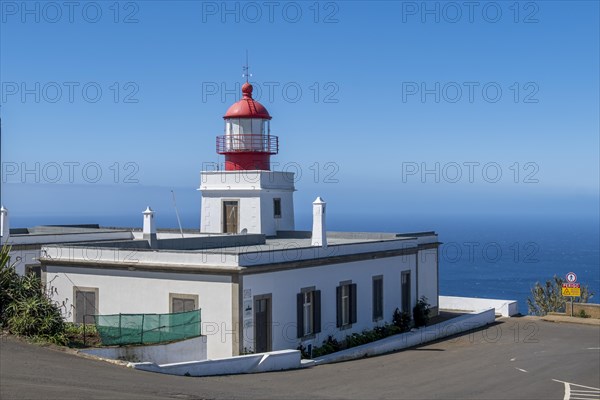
x=247, y=197
x=247, y=143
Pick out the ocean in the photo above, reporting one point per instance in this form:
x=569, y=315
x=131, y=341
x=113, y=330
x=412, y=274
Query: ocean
x=497, y=256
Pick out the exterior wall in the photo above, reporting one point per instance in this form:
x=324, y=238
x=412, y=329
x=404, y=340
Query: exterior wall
x=255, y=191
x=284, y=285
x=183, y=351
x=270, y=225
x=593, y=310
x=428, y=277
x=124, y=291
x=506, y=308
x=212, y=211
x=23, y=256
x=25, y=249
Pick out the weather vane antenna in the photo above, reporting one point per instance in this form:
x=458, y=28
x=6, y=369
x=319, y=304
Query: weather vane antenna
x=246, y=69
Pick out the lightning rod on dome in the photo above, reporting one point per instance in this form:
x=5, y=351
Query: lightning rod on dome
x=246, y=69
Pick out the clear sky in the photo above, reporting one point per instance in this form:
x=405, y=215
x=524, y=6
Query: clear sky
x=364, y=96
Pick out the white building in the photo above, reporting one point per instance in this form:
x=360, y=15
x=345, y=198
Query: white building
x=260, y=284
x=26, y=243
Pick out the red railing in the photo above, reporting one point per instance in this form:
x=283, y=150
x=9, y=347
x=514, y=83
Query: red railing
x=247, y=144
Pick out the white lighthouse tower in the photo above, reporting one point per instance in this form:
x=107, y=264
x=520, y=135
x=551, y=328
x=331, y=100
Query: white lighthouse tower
x=247, y=196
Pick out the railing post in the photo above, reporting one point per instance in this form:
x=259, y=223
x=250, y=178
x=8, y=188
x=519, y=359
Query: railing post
x=142, y=336
x=84, y=338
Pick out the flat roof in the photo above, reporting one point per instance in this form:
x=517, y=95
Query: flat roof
x=61, y=230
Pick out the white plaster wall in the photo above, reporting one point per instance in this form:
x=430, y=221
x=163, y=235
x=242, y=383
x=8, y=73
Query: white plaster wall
x=24, y=257
x=428, y=275
x=506, y=308
x=246, y=364
x=124, y=291
x=246, y=180
x=284, y=285
x=30, y=256
x=140, y=256
x=255, y=191
x=193, y=349
x=270, y=225
x=248, y=212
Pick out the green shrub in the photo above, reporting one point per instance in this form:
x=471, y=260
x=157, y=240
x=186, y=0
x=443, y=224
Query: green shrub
x=401, y=319
x=330, y=345
x=25, y=307
x=582, y=314
x=421, y=312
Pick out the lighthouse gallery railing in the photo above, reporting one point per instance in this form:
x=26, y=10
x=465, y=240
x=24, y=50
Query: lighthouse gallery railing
x=247, y=143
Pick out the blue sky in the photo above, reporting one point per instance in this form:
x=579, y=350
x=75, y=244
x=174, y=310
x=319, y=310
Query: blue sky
x=347, y=101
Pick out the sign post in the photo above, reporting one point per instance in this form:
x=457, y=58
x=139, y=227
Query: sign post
x=572, y=288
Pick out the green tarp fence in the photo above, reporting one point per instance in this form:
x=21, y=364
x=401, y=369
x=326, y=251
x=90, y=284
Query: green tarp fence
x=120, y=329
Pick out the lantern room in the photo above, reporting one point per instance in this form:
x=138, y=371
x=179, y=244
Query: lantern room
x=247, y=143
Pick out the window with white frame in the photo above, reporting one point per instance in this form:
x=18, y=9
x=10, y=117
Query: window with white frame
x=308, y=312
x=346, y=304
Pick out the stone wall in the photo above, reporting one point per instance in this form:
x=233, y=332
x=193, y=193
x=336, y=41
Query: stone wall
x=593, y=310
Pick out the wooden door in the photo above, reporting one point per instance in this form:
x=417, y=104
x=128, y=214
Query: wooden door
x=262, y=324
x=230, y=217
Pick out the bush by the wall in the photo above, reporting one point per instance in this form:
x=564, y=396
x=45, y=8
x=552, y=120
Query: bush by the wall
x=421, y=312
x=25, y=307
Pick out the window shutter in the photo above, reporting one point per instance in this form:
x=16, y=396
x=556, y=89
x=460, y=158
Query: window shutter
x=90, y=307
x=317, y=311
x=375, y=298
x=299, y=314
x=79, y=306
x=338, y=303
x=353, y=303
x=189, y=304
x=177, y=305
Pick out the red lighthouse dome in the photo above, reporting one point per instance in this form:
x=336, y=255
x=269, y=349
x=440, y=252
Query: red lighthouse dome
x=247, y=107
x=247, y=143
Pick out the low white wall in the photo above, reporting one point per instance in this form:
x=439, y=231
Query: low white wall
x=506, y=308
x=261, y=362
x=185, y=350
x=401, y=341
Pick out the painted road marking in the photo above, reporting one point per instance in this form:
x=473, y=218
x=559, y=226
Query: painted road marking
x=574, y=391
x=520, y=369
x=593, y=348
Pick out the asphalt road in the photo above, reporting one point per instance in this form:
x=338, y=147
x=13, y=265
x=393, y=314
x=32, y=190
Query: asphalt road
x=517, y=358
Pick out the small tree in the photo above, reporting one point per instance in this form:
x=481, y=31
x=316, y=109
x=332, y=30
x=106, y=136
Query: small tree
x=421, y=312
x=25, y=307
x=548, y=297
x=401, y=319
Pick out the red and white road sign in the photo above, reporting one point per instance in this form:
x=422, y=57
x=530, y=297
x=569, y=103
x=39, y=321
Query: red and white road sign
x=571, y=277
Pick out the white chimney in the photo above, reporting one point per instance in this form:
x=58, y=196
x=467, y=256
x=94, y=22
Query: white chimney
x=4, y=226
x=149, y=231
x=319, y=237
